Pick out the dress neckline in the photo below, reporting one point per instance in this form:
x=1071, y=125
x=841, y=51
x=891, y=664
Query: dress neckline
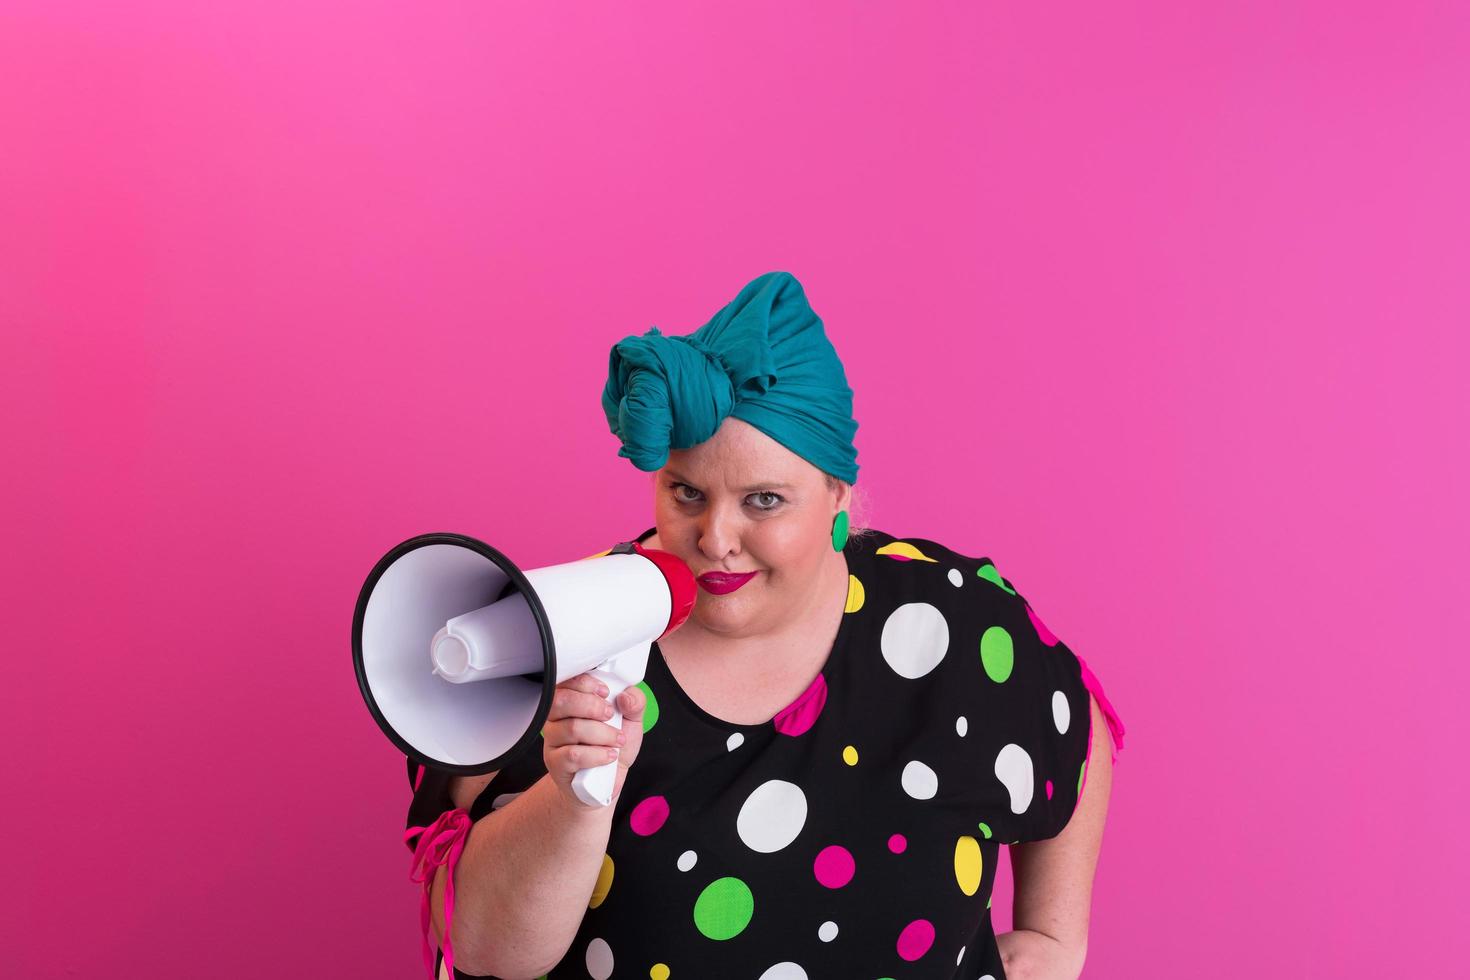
x=656, y=663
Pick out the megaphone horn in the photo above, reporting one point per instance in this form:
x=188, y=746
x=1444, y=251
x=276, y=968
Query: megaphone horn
x=458, y=651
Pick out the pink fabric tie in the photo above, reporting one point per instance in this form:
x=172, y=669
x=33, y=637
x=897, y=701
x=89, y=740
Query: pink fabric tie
x=441, y=843
x=1115, y=724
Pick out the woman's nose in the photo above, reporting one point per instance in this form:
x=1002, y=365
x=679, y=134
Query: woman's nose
x=718, y=535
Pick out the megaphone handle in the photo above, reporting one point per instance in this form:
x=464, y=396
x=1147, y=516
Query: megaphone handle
x=594, y=785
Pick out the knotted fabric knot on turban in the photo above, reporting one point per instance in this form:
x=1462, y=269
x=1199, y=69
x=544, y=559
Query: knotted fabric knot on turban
x=763, y=358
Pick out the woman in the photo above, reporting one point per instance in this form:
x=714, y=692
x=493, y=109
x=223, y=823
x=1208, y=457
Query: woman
x=816, y=776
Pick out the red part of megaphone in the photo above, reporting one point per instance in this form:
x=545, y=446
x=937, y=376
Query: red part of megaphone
x=682, y=588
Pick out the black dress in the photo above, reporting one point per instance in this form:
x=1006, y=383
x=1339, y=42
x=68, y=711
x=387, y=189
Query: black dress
x=855, y=834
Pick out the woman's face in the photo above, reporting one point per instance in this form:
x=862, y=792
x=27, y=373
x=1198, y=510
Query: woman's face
x=742, y=502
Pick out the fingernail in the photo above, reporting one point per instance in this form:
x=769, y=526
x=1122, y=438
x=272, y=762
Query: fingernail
x=612, y=753
x=602, y=690
x=622, y=738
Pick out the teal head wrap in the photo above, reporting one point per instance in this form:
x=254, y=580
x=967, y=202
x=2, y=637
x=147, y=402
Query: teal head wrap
x=764, y=359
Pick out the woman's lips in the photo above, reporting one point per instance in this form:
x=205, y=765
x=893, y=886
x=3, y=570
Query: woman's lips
x=718, y=583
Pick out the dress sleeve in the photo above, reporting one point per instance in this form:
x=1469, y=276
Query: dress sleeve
x=1042, y=697
x=1053, y=728
x=436, y=834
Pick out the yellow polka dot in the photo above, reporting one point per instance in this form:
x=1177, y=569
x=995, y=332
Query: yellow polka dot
x=849, y=756
x=902, y=549
x=604, y=882
x=659, y=972
x=856, y=594
x=968, y=864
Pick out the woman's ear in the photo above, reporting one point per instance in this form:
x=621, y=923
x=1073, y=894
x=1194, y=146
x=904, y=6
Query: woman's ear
x=844, y=496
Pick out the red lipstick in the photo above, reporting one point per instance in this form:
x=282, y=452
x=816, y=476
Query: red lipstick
x=720, y=583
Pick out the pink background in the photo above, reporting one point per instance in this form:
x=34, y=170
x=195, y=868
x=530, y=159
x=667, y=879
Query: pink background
x=1159, y=306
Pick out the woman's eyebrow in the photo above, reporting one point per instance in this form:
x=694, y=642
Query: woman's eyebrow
x=676, y=475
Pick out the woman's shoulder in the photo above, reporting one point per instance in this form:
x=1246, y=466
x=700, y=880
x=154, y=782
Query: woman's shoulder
x=949, y=562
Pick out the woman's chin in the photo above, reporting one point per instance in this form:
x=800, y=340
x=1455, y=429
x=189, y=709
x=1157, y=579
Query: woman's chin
x=722, y=613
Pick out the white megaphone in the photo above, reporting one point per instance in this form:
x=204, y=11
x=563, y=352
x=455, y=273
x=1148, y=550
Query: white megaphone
x=458, y=651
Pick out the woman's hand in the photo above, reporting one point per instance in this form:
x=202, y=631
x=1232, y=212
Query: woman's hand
x=577, y=735
x=1028, y=955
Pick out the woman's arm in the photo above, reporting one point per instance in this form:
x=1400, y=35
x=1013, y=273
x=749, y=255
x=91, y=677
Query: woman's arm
x=522, y=883
x=1053, y=879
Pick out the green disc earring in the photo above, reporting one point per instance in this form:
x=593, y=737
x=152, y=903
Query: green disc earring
x=839, y=530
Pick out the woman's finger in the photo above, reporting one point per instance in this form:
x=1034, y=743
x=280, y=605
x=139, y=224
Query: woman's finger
x=586, y=682
x=573, y=758
x=569, y=703
x=582, y=731
x=632, y=702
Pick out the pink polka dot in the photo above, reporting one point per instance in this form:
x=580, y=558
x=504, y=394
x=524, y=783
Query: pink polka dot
x=649, y=815
x=801, y=714
x=896, y=843
x=834, y=866
x=1048, y=789
x=1046, y=635
x=915, y=939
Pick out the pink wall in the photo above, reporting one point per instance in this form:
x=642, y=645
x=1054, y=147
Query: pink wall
x=1161, y=307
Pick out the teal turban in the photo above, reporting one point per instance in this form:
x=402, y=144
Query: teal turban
x=764, y=359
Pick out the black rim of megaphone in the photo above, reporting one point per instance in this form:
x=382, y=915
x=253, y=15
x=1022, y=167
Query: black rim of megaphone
x=548, y=684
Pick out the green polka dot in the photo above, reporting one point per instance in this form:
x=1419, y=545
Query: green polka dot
x=724, y=908
x=985, y=829
x=997, y=653
x=1080, y=773
x=650, y=710
x=988, y=901
x=989, y=574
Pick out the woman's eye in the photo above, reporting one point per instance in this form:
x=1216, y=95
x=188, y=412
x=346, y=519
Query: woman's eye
x=685, y=494
x=766, y=501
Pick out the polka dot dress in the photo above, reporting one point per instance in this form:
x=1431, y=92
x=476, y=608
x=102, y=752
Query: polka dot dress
x=855, y=834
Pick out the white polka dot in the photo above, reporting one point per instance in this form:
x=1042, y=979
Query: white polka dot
x=771, y=816
x=827, y=932
x=961, y=726
x=988, y=977
x=599, y=959
x=955, y=578
x=919, y=781
x=502, y=800
x=1013, y=769
x=915, y=638
x=687, y=859
x=1061, y=712
x=734, y=742
x=784, y=971
x=960, y=957
x=444, y=971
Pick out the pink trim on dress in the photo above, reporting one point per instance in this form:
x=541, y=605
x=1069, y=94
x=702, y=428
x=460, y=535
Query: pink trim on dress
x=1093, y=685
x=442, y=843
x=1115, y=724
